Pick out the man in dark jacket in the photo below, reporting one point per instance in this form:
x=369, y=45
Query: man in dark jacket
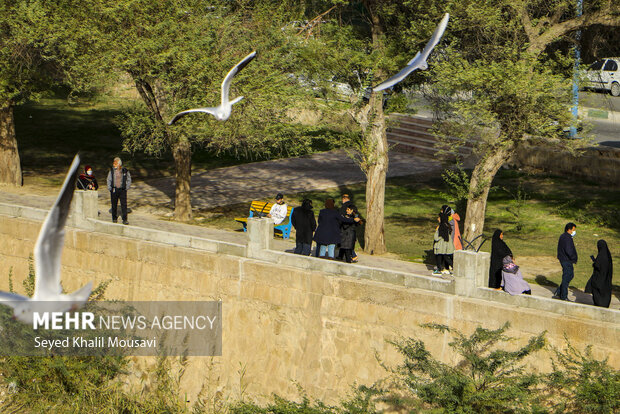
x=119, y=181
x=304, y=222
x=567, y=255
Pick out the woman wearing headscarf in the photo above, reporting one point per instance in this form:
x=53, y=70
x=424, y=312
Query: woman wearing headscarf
x=442, y=244
x=87, y=181
x=512, y=279
x=600, y=282
x=499, y=250
x=454, y=220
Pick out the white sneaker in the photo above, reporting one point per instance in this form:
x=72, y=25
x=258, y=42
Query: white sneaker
x=445, y=272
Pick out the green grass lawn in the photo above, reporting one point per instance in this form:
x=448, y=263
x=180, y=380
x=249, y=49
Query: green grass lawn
x=412, y=204
x=51, y=131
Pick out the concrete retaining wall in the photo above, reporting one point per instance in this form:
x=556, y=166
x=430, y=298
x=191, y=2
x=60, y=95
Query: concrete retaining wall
x=295, y=320
x=601, y=164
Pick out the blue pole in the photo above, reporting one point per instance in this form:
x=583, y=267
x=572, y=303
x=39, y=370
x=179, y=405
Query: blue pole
x=575, y=110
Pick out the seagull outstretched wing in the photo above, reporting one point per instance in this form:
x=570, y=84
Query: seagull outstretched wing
x=419, y=60
x=231, y=74
x=212, y=111
x=222, y=112
x=48, y=294
x=48, y=248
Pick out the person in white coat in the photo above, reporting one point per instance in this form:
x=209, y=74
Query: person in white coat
x=278, y=210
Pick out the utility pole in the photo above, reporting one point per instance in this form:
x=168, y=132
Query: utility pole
x=575, y=110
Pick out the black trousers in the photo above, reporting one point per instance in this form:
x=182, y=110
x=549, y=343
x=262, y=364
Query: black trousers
x=115, y=195
x=347, y=254
x=443, y=261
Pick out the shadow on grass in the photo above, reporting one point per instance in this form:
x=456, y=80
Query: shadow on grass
x=403, y=219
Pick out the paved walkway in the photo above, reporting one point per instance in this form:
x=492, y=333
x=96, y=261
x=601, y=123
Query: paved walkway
x=258, y=180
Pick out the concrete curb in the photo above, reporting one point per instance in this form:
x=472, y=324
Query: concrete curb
x=599, y=114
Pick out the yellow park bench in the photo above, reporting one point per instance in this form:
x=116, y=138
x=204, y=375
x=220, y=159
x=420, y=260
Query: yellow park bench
x=261, y=209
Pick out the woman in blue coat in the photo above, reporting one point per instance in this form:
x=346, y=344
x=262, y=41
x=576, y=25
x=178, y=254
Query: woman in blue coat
x=327, y=234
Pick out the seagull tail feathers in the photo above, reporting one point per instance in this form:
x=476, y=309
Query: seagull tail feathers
x=81, y=295
x=234, y=101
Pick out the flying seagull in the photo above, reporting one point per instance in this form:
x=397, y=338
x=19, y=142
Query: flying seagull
x=222, y=112
x=48, y=296
x=419, y=60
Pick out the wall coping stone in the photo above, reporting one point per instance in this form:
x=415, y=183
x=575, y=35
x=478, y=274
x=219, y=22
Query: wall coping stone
x=470, y=268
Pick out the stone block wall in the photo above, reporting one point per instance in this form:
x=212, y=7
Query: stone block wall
x=290, y=320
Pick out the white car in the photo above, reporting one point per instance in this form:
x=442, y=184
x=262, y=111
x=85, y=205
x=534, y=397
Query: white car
x=604, y=74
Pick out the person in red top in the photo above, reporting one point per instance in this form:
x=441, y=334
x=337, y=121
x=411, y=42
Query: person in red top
x=87, y=181
x=454, y=220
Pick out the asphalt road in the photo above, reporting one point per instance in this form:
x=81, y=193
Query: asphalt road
x=604, y=116
x=600, y=100
x=601, y=111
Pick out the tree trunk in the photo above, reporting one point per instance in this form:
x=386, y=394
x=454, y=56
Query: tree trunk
x=10, y=166
x=182, y=153
x=376, y=171
x=479, y=186
x=376, y=157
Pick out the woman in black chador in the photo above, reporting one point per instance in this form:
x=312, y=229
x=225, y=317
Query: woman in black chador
x=499, y=250
x=600, y=282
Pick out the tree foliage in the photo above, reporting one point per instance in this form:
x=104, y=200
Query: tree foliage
x=486, y=378
x=177, y=53
x=499, y=86
x=580, y=383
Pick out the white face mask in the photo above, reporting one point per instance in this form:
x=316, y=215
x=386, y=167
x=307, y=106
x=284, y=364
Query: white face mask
x=573, y=233
x=89, y=172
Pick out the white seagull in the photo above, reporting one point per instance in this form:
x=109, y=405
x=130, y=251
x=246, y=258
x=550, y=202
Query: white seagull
x=48, y=296
x=222, y=112
x=419, y=60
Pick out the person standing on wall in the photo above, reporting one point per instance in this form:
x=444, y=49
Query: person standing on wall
x=304, y=222
x=443, y=245
x=346, y=203
x=119, y=181
x=567, y=255
x=327, y=233
x=456, y=232
x=600, y=283
x=347, y=233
